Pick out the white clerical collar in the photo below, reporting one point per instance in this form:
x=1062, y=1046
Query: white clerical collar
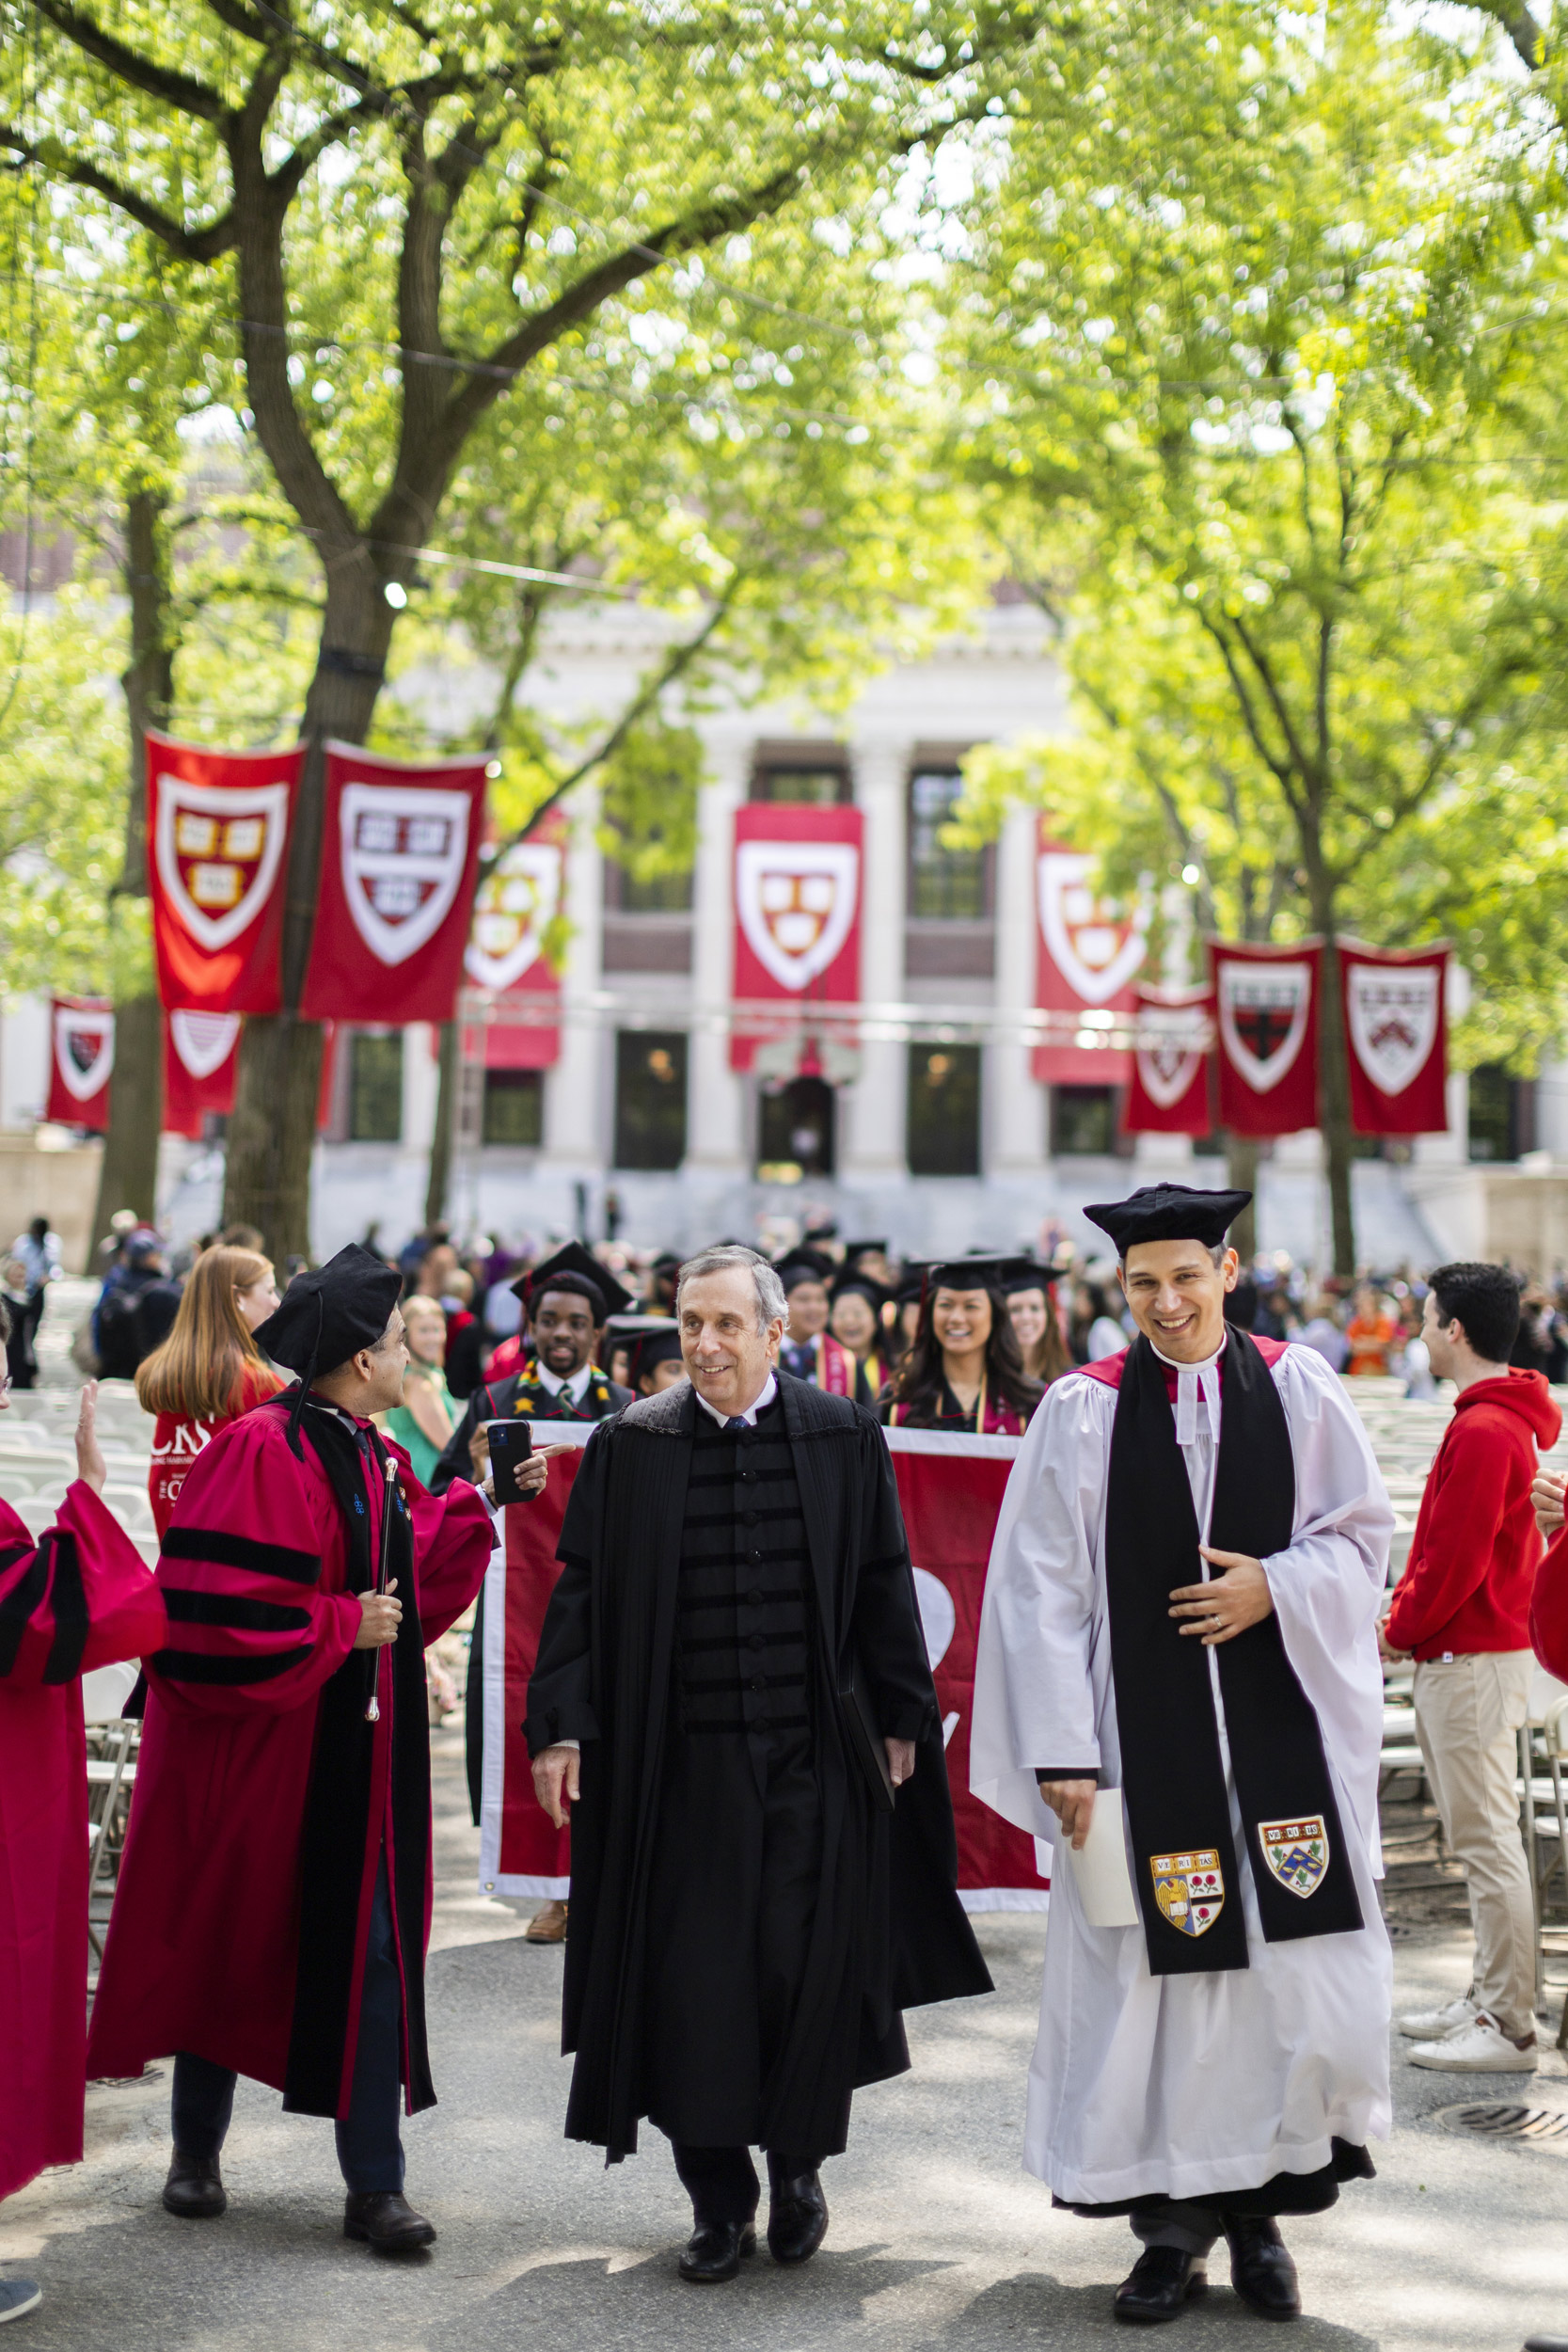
x=575, y=1388
x=1192, y=1380
x=764, y=1397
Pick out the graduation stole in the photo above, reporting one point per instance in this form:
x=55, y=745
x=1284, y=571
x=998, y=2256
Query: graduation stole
x=1184, y=1863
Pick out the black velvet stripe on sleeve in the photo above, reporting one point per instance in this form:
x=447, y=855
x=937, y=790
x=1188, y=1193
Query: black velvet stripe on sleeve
x=194, y=1665
x=21, y=1601
x=243, y=1616
x=230, y=1551
x=71, y=1611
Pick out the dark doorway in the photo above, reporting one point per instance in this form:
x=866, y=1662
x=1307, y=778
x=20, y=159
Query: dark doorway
x=795, y=1130
x=944, y=1125
x=649, y=1099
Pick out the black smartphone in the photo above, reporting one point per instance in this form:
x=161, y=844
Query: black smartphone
x=511, y=1442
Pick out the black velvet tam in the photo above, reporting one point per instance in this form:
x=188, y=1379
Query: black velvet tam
x=327, y=1315
x=1168, y=1213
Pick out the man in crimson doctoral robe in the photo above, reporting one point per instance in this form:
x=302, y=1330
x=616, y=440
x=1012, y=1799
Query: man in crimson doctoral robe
x=274, y=1904
x=1178, y=1664
x=77, y=1598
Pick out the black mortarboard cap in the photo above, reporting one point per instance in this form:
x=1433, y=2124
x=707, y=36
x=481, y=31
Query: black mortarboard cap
x=1168, y=1213
x=1023, y=1274
x=803, y=1265
x=574, y=1270
x=326, y=1316
x=977, y=1273
x=654, y=1348
x=860, y=1282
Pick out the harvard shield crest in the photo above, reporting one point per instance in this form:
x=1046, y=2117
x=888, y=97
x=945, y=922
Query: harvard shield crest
x=1096, y=945
x=1189, y=1888
x=795, y=902
x=1263, y=1012
x=1296, y=1851
x=218, y=849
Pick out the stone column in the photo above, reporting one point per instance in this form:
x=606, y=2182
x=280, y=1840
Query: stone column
x=1016, y=1141
x=578, y=1089
x=871, y=1110
x=716, y=1138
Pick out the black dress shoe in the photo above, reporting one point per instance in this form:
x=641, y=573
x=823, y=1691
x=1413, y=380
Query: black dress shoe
x=1159, y=2284
x=714, y=2250
x=797, y=2219
x=384, y=2219
x=193, y=2188
x=1261, y=2271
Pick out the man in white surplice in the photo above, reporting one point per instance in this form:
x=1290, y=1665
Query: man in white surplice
x=1215, y=2099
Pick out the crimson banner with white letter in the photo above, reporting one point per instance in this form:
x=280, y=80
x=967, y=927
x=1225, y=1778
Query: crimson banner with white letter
x=1396, y=1029
x=1266, y=1018
x=201, y=1060
x=518, y=900
x=797, y=911
x=1168, y=1091
x=400, y=847
x=81, y=1060
x=1088, y=949
x=950, y=1488
x=217, y=834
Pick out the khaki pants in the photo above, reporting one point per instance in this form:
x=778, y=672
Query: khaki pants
x=1469, y=1711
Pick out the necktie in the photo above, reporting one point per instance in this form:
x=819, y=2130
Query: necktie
x=737, y=1420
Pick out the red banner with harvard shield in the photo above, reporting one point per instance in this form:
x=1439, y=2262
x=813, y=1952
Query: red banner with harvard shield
x=1266, y=1022
x=1088, y=949
x=1396, y=1030
x=1168, y=1091
x=218, y=836
x=400, y=847
x=950, y=1488
x=519, y=899
x=200, y=1060
x=797, y=917
x=81, y=1060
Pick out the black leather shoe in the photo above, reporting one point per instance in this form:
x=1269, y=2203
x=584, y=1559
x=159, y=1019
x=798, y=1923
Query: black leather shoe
x=714, y=2250
x=1261, y=2271
x=386, y=2219
x=797, y=2219
x=195, y=2189
x=1160, y=2284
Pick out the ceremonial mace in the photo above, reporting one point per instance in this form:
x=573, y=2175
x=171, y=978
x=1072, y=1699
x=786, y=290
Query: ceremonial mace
x=390, y=1472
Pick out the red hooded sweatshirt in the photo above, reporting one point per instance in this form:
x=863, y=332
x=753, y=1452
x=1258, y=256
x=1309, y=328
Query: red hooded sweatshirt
x=1475, y=1548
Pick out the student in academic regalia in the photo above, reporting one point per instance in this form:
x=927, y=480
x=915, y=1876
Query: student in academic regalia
x=748, y=1921
x=273, y=1907
x=809, y=1349
x=74, y=1598
x=964, y=1372
x=1181, y=1624
x=855, y=1321
x=657, y=1361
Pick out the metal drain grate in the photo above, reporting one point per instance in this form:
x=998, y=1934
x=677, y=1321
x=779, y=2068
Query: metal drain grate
x=1504, y=2119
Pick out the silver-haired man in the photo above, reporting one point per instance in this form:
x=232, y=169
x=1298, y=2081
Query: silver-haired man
x=750, y=1910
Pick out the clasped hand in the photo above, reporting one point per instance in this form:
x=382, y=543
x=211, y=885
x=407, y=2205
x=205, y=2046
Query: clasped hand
x=380, y=1617
x=1230, y=1602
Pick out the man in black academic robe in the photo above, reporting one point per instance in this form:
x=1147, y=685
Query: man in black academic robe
x=748, y=1920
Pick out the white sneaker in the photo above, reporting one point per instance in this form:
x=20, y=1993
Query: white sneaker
x=18, y=2297
x=1433, y=2024
x=1480, y=2048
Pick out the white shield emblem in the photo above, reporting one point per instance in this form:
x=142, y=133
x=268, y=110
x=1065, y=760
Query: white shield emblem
x=83, y=1050
x=796, y=900
x=1174, y=1039
x=1093, y=945
x=203, y=1041
x=517, y=904
x=1393, y=1020
x=1263, y=1009
x=218, y=849
x=1296, y=1851
x=403, y=848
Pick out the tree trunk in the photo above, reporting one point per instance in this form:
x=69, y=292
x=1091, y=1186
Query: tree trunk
x=1334, y=1103
x=446, y=1114
x=1242, y=1157
x=128, y=1178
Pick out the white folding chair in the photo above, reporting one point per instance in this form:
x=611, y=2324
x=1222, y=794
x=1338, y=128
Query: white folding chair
x=111, y=1772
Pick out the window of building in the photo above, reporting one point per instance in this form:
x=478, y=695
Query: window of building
x=945, y=885
x=944, y=1128
x=1083, y=1124
x=376, y=1086
x=664, y=893
x=650, y=1098
x=795, y=1135
x=1502, y=1114
x=827, y=785
x=514, y=1107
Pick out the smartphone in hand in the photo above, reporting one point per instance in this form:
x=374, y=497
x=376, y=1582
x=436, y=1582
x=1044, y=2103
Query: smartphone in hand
x=511, y=1443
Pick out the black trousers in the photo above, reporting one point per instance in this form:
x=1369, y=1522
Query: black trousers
x=722, y=2183
x=370, y=2146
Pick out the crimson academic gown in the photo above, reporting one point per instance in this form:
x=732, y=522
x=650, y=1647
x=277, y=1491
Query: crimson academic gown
x=263, y=1797
x=81, y=1598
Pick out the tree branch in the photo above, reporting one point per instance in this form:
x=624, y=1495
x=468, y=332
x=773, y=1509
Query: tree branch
x=191, y=244
x=180, y=90
x=239, y=19
x=1528, y=35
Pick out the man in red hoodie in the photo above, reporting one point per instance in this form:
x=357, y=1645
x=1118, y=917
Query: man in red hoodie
x=1461, y=1609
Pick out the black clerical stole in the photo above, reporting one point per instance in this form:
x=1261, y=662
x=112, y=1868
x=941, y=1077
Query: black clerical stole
x=1184, y=1862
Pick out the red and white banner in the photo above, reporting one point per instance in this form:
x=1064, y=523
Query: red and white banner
x=950, y=1488
x=201, y=1053
x=1396, y=1028
x=217, y=837
x=518, y=900
x=81, y=1060
x=797, y=911
x=400, y=847
x=1168, y=1091
x=1266, y=1020
x=1089, y=951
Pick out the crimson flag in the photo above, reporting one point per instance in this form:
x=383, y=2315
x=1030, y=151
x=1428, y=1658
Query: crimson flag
x=81, y=1057
x=200, y=1060
x=519, y=899
x=1396, y=1030
x=1087, y=951
x=796, y=915
x=400, y=847
x=1266, y=1017
x=217, y=832
x=1168, y=1091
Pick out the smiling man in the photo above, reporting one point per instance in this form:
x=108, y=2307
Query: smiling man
x=748, y=1920
x=1180, y=1624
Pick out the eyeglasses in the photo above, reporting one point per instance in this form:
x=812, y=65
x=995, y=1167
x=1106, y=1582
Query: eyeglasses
x=5, y=1384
